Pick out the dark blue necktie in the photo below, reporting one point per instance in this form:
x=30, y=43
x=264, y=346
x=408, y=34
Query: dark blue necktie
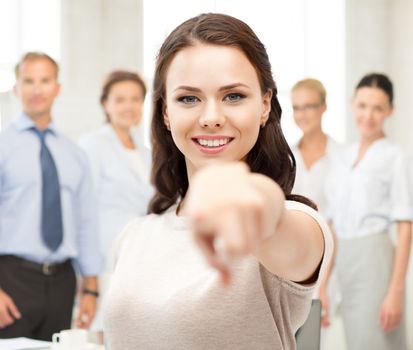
x=52, y=227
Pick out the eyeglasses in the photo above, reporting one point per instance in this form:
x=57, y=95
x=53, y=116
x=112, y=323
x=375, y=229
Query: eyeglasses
x=307, y=107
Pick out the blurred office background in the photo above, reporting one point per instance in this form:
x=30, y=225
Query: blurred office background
x=336, y=41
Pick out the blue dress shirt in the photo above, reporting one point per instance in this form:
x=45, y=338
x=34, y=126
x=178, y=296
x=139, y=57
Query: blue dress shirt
x=20, y=198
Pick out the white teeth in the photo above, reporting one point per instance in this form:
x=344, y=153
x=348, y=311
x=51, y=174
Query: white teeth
x=213, y=143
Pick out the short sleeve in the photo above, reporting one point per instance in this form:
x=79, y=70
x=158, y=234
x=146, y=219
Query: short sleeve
x=401, y=189
x=325, y=229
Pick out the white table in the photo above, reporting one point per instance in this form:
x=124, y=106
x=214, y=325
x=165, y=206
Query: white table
x=32, y=344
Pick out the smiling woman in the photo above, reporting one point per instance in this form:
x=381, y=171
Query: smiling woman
x=203, y=107
x=120, y=164
x=369, y=190
x=222, y=171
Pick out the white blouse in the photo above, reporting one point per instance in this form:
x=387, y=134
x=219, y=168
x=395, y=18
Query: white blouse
x=310, y=182
x=367, y=198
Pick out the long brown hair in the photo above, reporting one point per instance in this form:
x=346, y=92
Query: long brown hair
x=271, y=154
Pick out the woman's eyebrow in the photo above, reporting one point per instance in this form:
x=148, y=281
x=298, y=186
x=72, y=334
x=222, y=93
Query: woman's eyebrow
x=187, y=88
x=232, y=86
x=222, y=88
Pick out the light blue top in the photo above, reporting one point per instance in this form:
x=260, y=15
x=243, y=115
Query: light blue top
x=121, y=177
x=20, y=198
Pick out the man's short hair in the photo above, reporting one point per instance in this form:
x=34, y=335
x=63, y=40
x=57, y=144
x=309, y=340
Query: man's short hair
x=34, y=55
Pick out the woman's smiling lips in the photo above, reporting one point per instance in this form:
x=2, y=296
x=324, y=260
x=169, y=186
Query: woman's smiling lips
x=209, y=144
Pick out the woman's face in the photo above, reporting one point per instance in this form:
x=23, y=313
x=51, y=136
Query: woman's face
x=307, y=109
x=371, y=107
x=124, y=104
x=214, y=104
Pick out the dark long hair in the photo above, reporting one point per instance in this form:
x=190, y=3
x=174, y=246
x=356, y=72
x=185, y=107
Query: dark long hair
x=271, y=154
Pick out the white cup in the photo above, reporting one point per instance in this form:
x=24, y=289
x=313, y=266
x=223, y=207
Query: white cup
x=70, y=339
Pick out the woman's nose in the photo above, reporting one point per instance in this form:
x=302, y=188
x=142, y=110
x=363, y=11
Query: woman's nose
x=212, y=116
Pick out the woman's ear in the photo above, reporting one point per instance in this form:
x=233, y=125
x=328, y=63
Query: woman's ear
x=266, y=100
x=104, y=106
x=166, y=118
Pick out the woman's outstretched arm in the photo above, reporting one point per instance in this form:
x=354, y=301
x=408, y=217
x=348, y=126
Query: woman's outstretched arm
x=236, y=212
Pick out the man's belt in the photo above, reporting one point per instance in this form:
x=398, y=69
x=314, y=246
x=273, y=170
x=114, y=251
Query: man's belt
x=44, y=268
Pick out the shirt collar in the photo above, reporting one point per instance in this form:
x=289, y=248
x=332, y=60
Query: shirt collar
x=23, y=122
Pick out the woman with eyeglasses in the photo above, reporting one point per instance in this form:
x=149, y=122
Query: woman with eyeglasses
x=315, y=148
x=313, y=154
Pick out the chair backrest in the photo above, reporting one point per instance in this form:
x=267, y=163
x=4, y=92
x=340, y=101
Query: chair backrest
x=308, y=336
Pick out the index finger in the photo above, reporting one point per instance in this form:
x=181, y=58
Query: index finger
x=208, y=246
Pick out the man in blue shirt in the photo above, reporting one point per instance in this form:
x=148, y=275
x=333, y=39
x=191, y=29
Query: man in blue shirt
x=47, y=214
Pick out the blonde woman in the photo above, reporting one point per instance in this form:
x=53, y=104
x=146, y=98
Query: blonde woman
x=315, y=149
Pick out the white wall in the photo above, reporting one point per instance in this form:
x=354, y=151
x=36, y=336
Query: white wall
x=401, y=69
x=97, y=37
x=367, y=42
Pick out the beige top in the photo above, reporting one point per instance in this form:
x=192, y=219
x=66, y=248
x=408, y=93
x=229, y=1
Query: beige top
x=164, y=296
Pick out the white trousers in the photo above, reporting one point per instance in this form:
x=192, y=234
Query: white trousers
x=364, y=266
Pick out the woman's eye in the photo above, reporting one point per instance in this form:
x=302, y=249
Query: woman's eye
x=234, y=97
x=188, y=99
